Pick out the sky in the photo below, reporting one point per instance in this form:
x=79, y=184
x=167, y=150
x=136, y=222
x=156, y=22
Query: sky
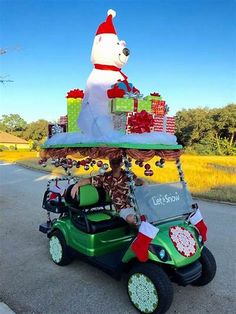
x=183, y=49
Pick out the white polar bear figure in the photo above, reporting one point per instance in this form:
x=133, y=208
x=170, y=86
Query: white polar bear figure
x=109, y=55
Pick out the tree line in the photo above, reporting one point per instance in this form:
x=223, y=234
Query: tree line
x=201, y=130
x=34, y=132
x=207, y=131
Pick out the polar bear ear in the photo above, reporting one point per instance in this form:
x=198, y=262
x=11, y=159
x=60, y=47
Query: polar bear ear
x=98, y=39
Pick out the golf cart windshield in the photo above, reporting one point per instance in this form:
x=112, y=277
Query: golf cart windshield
x=163, y=201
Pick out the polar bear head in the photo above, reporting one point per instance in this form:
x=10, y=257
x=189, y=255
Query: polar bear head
x=107, y=48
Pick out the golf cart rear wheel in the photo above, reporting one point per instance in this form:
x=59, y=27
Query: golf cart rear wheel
x=208, y=268
x=149, y=288
x=58, y=249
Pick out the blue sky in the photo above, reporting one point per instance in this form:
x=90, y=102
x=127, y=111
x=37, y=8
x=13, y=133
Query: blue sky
x=183, y=49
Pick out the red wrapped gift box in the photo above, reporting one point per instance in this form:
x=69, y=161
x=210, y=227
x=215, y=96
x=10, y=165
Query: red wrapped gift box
x=63, y=120
x=164, y=124
x=159, y=107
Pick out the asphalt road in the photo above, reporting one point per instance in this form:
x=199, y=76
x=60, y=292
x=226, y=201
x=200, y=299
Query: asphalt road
x=31, y=283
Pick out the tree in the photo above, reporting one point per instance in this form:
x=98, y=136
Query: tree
x=36, y=130
x=209, y=131
x=12, y=123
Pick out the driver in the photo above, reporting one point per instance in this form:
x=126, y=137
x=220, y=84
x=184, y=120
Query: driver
x=115, y=183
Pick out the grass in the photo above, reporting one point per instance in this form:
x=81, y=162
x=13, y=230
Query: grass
x=212, y=177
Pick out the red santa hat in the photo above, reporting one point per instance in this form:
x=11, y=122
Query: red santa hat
x=107, y=27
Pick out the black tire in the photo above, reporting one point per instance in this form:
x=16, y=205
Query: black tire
x=62, y=254
x=208, y=268
x=159, y=280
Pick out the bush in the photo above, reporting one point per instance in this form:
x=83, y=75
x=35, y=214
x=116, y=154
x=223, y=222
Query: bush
x=3, y=148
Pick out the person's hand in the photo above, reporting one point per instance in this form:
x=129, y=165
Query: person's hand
x=74, y=190
x=131, y=220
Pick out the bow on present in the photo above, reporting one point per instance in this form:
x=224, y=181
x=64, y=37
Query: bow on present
x=115, y=92
x=121, y=88
x=75, y=93
x=155, y=94
x=135, y=95
x=140, y=122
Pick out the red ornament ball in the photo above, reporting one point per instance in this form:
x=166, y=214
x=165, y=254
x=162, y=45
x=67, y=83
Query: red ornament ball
x=69, y=161
x=83, y=162
x=88, y=160
x=99, y=163
x=148, y=172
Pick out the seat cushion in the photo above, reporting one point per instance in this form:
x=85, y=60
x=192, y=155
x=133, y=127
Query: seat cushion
x=95, y=224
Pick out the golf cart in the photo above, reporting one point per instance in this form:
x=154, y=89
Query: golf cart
x=89, y=228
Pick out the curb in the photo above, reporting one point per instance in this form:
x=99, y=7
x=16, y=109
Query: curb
x=4, y=309
x=214, y=201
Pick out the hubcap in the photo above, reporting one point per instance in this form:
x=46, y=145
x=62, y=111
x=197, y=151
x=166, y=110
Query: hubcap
x=55, y=249
x=142, y=293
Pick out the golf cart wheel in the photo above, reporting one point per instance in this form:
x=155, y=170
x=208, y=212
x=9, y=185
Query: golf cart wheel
x=208, y=268
x=149, y=288
x=58, y=249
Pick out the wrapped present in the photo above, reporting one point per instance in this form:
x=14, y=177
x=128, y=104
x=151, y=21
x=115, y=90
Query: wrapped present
x=119, y=89
x=130, y=103
x=74, y=103
x=63, y=120
x=54, y=128
x=119, y=122
x=164, y=124
x=153, y=96
x=139, y=122
x=159, y=107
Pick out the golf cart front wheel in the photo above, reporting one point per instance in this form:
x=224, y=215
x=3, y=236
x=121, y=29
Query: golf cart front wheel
x=149, y=289
x=58, y=249
x=208, y=268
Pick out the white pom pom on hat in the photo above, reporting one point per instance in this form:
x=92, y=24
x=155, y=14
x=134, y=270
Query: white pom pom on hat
x=111, y=12
x=107, y=27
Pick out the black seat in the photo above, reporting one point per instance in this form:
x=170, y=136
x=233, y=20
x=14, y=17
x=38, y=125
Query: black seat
x=85, y=225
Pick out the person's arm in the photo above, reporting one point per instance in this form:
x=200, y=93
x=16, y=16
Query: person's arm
x=76, y=187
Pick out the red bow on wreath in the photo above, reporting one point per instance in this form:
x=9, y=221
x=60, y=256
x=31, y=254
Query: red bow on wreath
x=140, y=122
x=75, y=93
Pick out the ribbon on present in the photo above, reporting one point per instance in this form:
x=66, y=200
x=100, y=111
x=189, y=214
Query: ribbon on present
x=140, y=122
x=75, y=93
x=121, y=88
x=135, y=96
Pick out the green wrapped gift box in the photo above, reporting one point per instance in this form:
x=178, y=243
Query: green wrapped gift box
x=118, y=105
x=73, y=110
x=152, y=98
